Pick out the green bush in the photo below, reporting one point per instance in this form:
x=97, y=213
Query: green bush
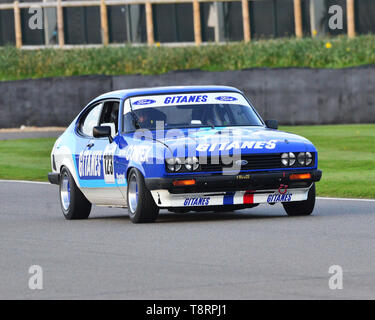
x=336, y=52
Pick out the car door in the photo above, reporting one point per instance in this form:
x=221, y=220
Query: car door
x=97, y=173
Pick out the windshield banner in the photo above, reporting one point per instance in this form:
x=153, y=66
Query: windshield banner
x=188, y=99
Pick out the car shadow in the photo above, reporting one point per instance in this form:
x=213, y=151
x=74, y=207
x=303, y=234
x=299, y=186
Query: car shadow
x=169, y=217
x=212, y=216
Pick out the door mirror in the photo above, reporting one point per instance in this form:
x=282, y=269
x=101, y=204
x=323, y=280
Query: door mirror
x=103, y=131
x=272, y=124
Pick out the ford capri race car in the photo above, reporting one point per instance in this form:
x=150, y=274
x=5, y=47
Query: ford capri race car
x=182, y=149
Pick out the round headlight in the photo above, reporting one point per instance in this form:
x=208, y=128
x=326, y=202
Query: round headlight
x=301, y=158
x=309, y=158
x=288, y=159
x=285, y=159
x=304, y=158
x=174, y=164
x=292, y=159
x=191, y=163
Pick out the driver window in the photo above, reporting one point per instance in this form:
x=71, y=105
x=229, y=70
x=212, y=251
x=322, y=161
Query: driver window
x=91, y=120
x=110, y=115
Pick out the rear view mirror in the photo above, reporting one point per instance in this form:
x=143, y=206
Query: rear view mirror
x=272, y=124
x=103, y=131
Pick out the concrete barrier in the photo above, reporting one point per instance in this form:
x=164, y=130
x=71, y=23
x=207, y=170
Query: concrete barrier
x=291, y=95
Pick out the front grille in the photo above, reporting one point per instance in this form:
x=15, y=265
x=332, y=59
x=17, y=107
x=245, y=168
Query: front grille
x=254, y=162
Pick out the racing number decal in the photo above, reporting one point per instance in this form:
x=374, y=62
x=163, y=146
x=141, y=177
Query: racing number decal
x=108, y=168
x=108, y=164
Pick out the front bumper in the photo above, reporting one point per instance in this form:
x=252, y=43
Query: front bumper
x=165, y=199
x=244, y=181
x=54, y=177
x=242, y=189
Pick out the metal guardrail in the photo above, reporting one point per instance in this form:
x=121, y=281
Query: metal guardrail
x=59, y=5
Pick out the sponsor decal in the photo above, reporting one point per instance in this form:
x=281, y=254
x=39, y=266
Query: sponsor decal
x=144, y=102
x=226, y=98
x=279, y=197
x=243, y=177
x=136, y=153
x=120, y=177
x=89, y=163
x=197, y=201
x=271, y=144
x=185, y=99
x=241, y=162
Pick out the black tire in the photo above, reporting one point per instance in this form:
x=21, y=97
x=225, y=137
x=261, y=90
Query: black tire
x=78, y=207
x=301, y=208
x=145, y=209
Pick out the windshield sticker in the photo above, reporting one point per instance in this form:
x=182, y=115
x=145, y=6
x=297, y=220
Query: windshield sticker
x=188, y=99
x=144, y=102
x=226, y=98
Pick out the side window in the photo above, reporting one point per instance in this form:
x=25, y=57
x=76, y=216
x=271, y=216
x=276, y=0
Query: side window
x=91, y=120
x=110, y=114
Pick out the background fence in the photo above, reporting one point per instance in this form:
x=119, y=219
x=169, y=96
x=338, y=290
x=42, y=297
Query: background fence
x=310, y=96
x=99, y=22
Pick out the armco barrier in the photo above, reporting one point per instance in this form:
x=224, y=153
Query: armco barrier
x=290, y=95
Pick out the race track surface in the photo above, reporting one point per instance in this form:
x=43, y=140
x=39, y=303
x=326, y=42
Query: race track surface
x=254, y=253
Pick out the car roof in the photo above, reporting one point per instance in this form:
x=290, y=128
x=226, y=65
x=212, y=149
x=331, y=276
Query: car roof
x=123, y=94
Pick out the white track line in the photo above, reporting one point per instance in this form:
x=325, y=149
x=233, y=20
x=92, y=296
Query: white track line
x=346, y=199
x=319, y=198
x=24, y=181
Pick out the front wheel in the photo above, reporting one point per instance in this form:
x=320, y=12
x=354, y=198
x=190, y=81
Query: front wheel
x=141, y=205
x=74, y=204
x=301, y=208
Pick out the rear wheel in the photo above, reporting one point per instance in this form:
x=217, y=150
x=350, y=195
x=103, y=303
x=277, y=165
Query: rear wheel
x=74, y=204
x=141, y=205
x=301, y=208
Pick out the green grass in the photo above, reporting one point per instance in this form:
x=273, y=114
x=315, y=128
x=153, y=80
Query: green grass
x=346, y=156
x=287, y=52
x=27, y=159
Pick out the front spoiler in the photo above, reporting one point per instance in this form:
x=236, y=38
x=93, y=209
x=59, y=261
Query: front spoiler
x=270, y=180
x=165, y=199
x=54, y=177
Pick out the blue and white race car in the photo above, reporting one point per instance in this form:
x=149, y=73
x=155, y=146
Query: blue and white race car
x=183, y=149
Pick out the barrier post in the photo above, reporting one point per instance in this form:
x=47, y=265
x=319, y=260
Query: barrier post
x=17, y=24
x=197, y=23
x=246, y=21
x=298, y=18
x=149, y=23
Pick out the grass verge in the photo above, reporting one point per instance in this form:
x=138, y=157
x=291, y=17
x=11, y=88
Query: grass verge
x=335, y=52
x=346, y=156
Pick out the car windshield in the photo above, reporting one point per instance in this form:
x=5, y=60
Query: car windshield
x=234, y=112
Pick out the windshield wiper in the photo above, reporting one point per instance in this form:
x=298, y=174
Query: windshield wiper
x=134, y=116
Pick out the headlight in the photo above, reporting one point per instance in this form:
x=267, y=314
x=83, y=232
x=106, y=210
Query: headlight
x=301, y=158
x=288, y=159
x=191, y=163
x=304, y=158
x=174, y=164
x=309, y=158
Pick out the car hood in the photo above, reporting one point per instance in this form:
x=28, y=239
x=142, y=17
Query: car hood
x=244, y=140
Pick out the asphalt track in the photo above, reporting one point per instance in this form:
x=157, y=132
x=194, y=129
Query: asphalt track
x=256, y=253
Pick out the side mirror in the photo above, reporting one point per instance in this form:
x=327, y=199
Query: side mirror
x=102, y=131
x=272, y=124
